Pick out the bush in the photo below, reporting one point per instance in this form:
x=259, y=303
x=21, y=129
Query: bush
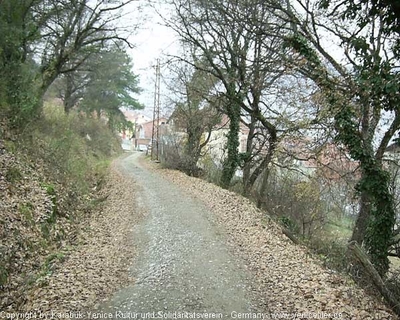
x=170, y=156
x=71, y=146
x=173, y=157
x=295, y=201
x=212, y=172
x=333, y=253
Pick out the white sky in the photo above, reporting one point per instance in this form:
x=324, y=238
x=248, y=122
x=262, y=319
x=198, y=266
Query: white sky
x=152, y=40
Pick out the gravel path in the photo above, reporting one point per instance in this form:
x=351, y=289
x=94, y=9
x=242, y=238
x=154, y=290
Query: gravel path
x=183, y=263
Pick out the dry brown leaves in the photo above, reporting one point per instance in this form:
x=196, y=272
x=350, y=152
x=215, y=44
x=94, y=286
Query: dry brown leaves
x=288, y=276
x=73, y=273
x=25, y=206
x=100, y=263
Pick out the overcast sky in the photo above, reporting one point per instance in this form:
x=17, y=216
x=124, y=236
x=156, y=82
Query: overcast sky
x=152, y=40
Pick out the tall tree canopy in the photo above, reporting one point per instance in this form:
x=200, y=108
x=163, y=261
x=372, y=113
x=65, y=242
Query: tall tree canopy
x=349, y=50
x=43, y=39
x=111, y=85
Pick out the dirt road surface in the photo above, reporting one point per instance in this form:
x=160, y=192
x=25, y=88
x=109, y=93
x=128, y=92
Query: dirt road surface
x=182, y=262
x=204, y=252
x=163, y=245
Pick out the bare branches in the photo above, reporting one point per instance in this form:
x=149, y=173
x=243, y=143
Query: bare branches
x=72, y=30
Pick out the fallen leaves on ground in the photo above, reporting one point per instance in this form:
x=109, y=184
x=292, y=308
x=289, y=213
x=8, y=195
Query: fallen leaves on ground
x=287, y=276
x=27, y=237
x=80, y=272
x=100, y=264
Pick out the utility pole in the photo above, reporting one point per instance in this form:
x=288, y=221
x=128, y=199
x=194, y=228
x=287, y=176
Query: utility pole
x=155, y=134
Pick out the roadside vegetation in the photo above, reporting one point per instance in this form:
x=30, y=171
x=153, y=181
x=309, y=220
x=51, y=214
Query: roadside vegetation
x=64, y=76
x=50, y=178
x=302, y=105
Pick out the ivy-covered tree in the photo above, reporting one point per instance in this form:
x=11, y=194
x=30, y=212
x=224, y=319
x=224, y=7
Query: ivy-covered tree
x=221, y=46
x=243, y=57
x=18, y=71
x=363, y=10
x=361, y=88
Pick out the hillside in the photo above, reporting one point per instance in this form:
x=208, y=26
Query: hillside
x=49, y=177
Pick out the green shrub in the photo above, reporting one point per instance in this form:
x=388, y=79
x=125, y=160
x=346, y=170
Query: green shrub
x=71, y=146
x=289, y=224
x=332, y=253
x=47, y=268
x=26, y=210
x=296, y=201
x=52, y=259
x=51, y=191
x=10, y=146
x=212, y=173
x=3, y=275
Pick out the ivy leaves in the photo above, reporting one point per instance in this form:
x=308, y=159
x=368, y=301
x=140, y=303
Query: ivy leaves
x=376, y=88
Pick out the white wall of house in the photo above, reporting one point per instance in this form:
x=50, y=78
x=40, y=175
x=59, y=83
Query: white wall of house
x=216, y=148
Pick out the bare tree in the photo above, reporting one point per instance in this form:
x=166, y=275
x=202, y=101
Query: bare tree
x=193, y=112
x=71, y=32
x=243, y=56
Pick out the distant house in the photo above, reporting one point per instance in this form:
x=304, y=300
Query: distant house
x=136, y=118
x=331, y=162
x=143, y=134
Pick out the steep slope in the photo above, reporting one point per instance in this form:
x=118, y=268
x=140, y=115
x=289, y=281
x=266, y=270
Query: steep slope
x=33, y=224
x=288, y=277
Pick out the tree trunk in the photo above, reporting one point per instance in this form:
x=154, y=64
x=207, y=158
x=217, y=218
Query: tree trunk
x=375, y=222
x=360, y=227
x=377, y=280
x=192, y=152
x=268, y=158
x=263, y=187
x=69, y=100
x=247, y=161
x=231, y=162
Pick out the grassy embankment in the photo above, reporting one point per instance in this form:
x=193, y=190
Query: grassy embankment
x=49, y=176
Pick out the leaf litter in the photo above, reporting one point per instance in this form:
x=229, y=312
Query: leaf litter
x=288, y=277
x=102, y=260
x=81, y=272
